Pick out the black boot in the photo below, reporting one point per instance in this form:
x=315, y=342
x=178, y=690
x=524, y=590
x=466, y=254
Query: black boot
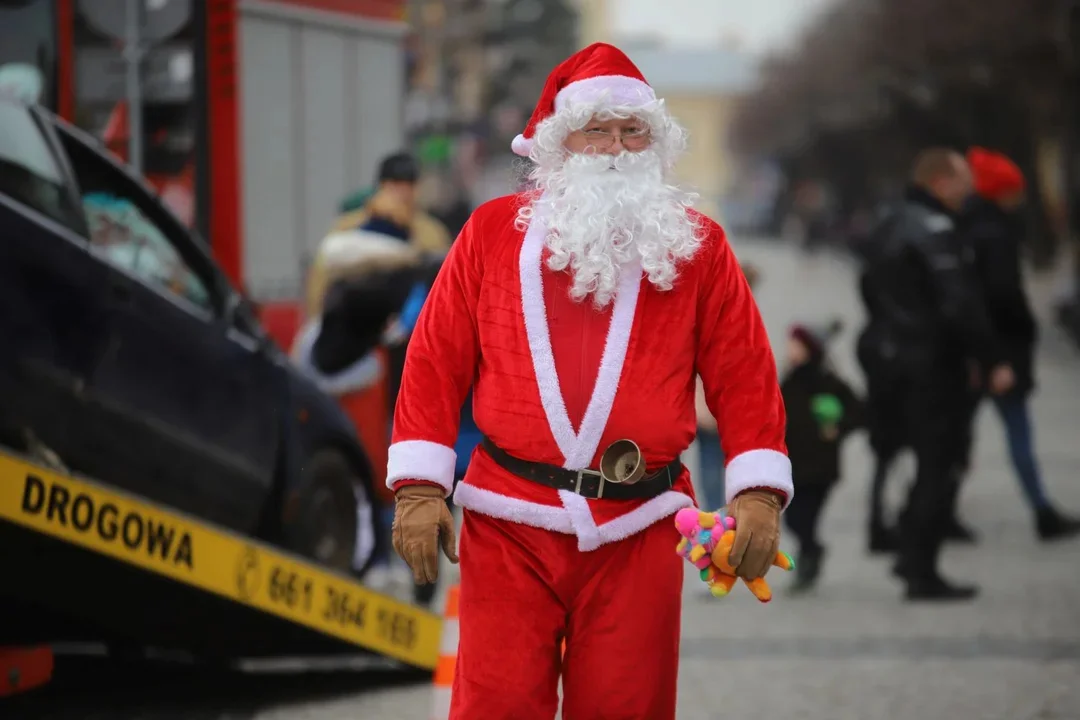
x=807, y=569
x=883, y=539
x=1052, y=525
x=937, y=589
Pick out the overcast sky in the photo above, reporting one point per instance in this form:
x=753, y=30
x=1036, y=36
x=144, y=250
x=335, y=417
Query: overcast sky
x=759, y=24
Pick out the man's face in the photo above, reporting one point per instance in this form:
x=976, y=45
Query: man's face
x=607, y=201
x=403, y=190
x=954, y=188
x=609, y=137
x=797, y=353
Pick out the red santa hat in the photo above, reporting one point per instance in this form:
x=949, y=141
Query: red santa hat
x=995, y=175
x=600, y=72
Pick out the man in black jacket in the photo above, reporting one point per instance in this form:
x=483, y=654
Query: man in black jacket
x=993, y=229
x=926, y=319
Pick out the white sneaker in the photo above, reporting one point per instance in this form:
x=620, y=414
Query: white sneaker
x=378, y=577
x=401, y=583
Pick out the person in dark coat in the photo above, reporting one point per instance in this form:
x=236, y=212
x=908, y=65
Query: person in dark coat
x=994, y=231
x=926, y=321
x=370, y=280
x=822, y=410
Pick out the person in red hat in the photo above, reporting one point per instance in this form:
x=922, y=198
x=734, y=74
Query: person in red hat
x=994, y=232
x=580, y=311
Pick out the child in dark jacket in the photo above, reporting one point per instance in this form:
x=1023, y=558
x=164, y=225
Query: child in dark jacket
x=822, y=410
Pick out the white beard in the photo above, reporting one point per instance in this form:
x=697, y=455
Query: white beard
x=605, y=211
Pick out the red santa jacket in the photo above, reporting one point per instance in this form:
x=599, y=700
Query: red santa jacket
x=499, y=320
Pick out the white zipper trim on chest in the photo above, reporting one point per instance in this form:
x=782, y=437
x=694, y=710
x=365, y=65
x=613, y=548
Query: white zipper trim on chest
x=577, y=448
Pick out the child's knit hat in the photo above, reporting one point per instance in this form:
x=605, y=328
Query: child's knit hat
x=816, y=337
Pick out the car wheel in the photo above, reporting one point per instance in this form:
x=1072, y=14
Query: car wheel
x=321, y=520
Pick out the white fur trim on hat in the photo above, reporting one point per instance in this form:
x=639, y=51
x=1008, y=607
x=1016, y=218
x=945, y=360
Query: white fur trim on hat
x=522, y=145
x=612, y=89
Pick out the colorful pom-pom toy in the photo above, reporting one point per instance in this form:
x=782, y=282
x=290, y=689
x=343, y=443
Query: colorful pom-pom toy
x=706, y=543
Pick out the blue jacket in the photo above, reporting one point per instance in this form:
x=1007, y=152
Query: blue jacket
x=468, y=434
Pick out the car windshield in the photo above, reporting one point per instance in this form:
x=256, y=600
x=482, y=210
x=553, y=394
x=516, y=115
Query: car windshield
x=28, y=169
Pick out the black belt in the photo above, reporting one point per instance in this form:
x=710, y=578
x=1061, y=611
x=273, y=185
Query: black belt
x=586, y=483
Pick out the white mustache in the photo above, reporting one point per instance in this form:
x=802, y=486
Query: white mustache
x=625, y=161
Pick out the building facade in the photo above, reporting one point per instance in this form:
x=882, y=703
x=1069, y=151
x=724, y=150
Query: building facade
x=702, y=89
x=322, y=94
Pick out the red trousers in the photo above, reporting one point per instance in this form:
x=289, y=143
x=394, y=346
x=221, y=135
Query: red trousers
x=524, y=590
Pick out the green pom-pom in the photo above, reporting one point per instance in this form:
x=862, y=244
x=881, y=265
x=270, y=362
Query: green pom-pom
x=827, y=409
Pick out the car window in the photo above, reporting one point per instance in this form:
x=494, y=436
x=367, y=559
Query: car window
x=123, y=225
x=29, y=172
x=131, y=241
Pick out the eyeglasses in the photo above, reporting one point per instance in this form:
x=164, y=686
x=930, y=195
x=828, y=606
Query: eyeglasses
x=632, y=139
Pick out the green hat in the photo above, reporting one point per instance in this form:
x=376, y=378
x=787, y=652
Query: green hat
x=356, y=201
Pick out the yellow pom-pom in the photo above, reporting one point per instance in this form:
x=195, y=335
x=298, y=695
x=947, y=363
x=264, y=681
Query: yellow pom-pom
x=706, y=520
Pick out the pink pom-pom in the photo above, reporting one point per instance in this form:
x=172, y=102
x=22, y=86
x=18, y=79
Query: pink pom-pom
x=686, y=520
x=729, y=523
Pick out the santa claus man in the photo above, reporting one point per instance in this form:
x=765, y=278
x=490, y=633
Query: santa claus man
x=580, y=312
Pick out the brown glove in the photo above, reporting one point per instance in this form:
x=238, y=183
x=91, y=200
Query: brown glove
x=422, y=522
x=757, y=532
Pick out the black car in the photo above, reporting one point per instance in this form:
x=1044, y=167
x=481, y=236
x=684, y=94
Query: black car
x=126, y=356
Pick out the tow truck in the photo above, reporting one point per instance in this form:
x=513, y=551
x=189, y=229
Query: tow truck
x=167, y=478
x=85, y=562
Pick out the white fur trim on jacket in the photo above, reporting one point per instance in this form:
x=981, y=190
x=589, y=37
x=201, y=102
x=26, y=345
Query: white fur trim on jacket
x=359, y=376
x=421, y=460
x=347, y=247
x=574, y=517
x=759, y=469
x=577, y=448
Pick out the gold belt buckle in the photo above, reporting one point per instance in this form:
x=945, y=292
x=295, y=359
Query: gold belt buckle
x=622, y=463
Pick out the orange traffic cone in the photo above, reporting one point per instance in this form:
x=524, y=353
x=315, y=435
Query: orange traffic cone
x=444, y=671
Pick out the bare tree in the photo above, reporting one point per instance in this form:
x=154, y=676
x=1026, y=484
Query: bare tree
x=873, y=80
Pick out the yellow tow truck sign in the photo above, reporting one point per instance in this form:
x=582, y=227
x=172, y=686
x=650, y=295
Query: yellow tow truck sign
x=169, y=543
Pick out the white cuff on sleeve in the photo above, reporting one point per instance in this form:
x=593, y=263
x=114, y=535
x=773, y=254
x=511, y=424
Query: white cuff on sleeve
x=421, y=460
x=759, y=469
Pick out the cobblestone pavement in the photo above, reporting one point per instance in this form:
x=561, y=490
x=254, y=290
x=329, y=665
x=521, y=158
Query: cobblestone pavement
x=854, y=650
